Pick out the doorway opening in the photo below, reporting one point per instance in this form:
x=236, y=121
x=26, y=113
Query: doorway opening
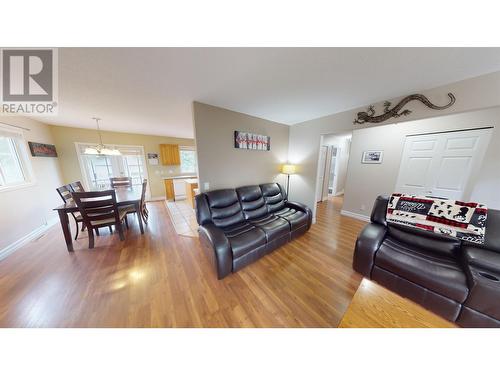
x=332, y=167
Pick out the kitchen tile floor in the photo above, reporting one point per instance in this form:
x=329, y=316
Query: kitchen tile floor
x=184, y=218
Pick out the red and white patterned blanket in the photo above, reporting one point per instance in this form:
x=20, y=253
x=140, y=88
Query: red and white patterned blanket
x=463, y=220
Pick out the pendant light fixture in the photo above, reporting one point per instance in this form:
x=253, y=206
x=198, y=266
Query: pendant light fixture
x=100, y=149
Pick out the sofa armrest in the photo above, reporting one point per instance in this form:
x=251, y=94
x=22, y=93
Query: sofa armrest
x=367, y=245
x=222, y=254
x=303, y=208
x=481, y=258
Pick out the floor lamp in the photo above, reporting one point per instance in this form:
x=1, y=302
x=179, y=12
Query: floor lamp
x=288, y=169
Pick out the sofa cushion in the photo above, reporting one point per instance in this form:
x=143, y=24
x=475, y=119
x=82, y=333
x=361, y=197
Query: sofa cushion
x=437, y=273
x=274, y=226
x=273, y=196
x=224, y=207
x=252, y=202
x=296, y=218
x=426, y=241
x=244, y=237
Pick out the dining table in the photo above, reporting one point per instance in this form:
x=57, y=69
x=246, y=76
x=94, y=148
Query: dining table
x=125, y=196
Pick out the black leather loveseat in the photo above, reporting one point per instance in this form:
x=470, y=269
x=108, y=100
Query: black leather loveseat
x=238, y=226
x=457, y=280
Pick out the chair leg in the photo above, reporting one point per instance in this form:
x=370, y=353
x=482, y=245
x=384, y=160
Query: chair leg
x=126, y=221
x=120, y=231
x=110, y=229
x=77, y=230
x=91, y=239
x=83, y=226
x=97, y=231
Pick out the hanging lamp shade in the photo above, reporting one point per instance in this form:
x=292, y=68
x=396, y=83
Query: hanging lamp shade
x=100, y=149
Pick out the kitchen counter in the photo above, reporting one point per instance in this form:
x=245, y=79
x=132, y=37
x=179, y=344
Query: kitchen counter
x=175, y=186
x=179, y=177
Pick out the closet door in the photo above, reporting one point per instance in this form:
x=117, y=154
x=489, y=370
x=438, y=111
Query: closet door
x=441, y=164
x=459, y=155
x=415, y=173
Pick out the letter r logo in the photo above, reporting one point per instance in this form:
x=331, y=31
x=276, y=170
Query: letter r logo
x=27, y=75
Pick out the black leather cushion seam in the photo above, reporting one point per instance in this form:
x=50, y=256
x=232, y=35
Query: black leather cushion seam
x=236, y=234
x=442, y=261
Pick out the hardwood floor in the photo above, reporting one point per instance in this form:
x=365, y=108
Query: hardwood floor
x=374, y=306
x=162, y=279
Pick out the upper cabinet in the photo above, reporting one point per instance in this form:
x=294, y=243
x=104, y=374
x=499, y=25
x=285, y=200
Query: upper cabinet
x=170, y=154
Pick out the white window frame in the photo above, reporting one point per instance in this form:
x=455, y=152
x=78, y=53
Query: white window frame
x=23, y=156
x=189, y=148
x=86, y=183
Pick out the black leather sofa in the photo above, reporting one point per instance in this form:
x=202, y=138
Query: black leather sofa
x=238, y=226
x=455, y=279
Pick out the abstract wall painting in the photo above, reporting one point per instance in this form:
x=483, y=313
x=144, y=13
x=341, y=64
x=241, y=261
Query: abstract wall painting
x=250, y=141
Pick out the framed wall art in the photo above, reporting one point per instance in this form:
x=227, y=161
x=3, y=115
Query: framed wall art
x=250, y=141
x=372, y=157
x=42, y=149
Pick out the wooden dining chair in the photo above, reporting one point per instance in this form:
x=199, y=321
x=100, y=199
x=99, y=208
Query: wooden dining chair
x=143, y=209
x=66, y=193
x=77, y=186
x=98, y=210
x=120, y=182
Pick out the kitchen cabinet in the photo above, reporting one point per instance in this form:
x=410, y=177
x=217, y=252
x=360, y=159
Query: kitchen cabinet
x=169, y=189
x=169, y=154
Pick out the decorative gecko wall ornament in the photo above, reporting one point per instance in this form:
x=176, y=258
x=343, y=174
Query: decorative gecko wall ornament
x=369, y=115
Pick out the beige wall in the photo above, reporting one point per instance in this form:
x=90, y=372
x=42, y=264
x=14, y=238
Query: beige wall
x=222, y=165
x=65, y=138
x=27, y=209
x=471, y=94
x=366, y=181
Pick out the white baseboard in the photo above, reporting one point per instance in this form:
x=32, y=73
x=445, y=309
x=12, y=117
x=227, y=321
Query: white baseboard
x=355, y=215
x=6, y=251
x=152, y=199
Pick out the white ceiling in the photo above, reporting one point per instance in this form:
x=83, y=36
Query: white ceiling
x=151, y=90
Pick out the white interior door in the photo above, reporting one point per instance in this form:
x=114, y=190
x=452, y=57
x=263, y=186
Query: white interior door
x=441, y=164
x=321, y=173
x=332, y=182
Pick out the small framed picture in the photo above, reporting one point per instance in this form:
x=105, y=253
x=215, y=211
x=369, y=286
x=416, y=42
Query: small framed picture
x=372, y=157
x=42, y=149
x=152, y=158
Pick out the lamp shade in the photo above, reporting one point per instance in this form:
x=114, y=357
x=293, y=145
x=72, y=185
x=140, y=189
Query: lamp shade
x=288, y=169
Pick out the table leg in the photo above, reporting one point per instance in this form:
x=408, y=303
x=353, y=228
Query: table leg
x=63, y=218
x=139, y=216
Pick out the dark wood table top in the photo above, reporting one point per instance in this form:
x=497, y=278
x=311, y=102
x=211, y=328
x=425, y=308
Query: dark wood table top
x=124, y=196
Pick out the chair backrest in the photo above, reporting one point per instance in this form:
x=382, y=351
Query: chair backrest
x=252, y=201
x=97, y=205
x=120, y=182
x=66, y=193
x=77, y=186
x=143, y=193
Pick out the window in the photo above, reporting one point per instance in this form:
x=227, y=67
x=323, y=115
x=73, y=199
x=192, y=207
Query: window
x=13, y=160
x=188, y=160
x=97, y=169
